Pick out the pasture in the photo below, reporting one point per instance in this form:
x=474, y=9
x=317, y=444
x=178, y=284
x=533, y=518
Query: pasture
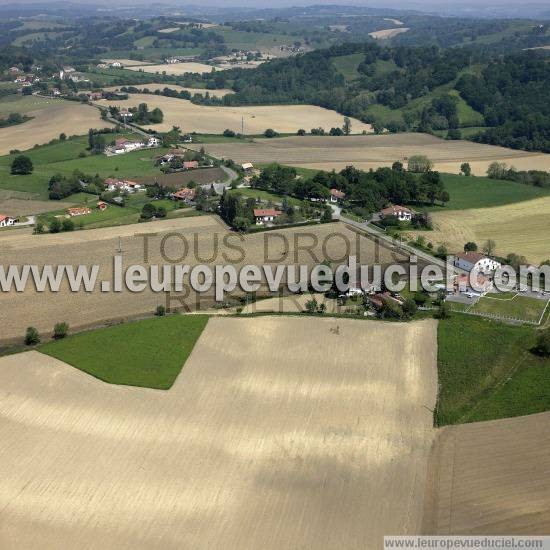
x=49, y=121
x=214, y=120
x=278, y=433
x=374, y=151
x=156, y=86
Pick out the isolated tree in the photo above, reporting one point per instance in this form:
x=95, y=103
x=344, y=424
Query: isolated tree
x=470, y=247
x=270, y=133
x=489, y=247
x=466, y=169
x=301, y=132
x=419, y=164
x=62, y=136
x=55, y=225
x=148, y=211
x=346, y=128
x=543, y=343
x=497, y=170
x=21, y=165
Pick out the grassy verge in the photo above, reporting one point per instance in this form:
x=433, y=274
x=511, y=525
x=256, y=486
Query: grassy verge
x=148, y=353
x=487, y=371
x=519, y=307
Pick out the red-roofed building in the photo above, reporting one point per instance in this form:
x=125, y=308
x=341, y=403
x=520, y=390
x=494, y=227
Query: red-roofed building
x=102, y=205
x=336, y=195
x=190, y=164
x=78, y=211
x=186, y=195
x=402, y=213
x=6, y=221
x=265, y=215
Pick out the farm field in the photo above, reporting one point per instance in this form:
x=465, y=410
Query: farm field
x=387, y=33
x=18, y=310
x=148, y=353
x=327, y=153
x=26, y=207
x=126, y=62
x=269, y=419
x=214, y=120
x=156, y=86
x=521, y=228
x=63, y=116
x=174, y=68
x=491, y=478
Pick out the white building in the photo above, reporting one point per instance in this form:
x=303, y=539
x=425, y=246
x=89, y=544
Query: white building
x=470, y=261
x=112, y=184
x=153, y=142
x=6, y=221
x=265, y=215
x=402, y=213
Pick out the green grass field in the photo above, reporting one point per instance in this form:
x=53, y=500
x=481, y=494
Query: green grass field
x=148, y=353
x=480, y=192
x=265, y=196
x=487, y=371
x=347, y=65
x=517, y=307
x=24, y=104
x=63, y=158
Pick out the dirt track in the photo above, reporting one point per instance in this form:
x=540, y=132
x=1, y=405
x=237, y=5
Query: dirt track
x=492, y=478
x=327, y=153
x=279, y=433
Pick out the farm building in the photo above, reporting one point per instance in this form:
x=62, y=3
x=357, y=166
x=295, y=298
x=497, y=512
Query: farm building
x=474, y=261
x=247, y=167
x=6, y=221
x=265, y=215
x=78, y=211
x=336, y=195
x=102, y=205
x=402, y=213
x=190, y=164
x=112, y=184
x=186, y=195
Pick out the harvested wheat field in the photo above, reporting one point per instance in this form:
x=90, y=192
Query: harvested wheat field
x=327, y=153
x=202, y=234
x=62, y=116
x=522, y=228
x=278, y=433
x=156, y=86
x=175, y=68
x=214, y=120
x=388, y=33
x=25, y=207
x=491, y=478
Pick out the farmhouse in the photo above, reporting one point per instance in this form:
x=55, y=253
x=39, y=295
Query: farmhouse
x=6, y=221
x=474, y=261
x=112, y=184
x=123, y=145
x=248, y=167
x=265, y=215
x=336, y=195
x=190, y=164
x=186, y=195
x=402, y=213
x=78, y=211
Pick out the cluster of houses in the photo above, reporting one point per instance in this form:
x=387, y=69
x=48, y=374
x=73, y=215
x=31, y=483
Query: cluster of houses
x=26, y=79
x=122, y=185
x=125, y=145
x=177, y=154
x=180, y=59
x=110, y=65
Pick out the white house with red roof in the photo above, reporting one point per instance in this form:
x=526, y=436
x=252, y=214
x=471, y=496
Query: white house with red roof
x=112, y=184
x=336, y=195
x=186, y=195
x=474, y=261
x=123, y=145
x=6, y=221
x=265, y=215
x=402, y=213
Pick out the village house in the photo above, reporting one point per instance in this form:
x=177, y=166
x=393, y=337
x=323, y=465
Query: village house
x=123, y=145
x=186, y=195
x=482, y=283
x=153, y=142
x=115, y=65
x=102, y=206
x=401, y=213
x=474, y=261
x=6, y=221
x=78, y=211
x=190, y=165
x=336, y=195
x=112, y=184
x=265, y=215
x=248, y=167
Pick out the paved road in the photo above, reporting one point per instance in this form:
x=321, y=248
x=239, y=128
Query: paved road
x=220, y=186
